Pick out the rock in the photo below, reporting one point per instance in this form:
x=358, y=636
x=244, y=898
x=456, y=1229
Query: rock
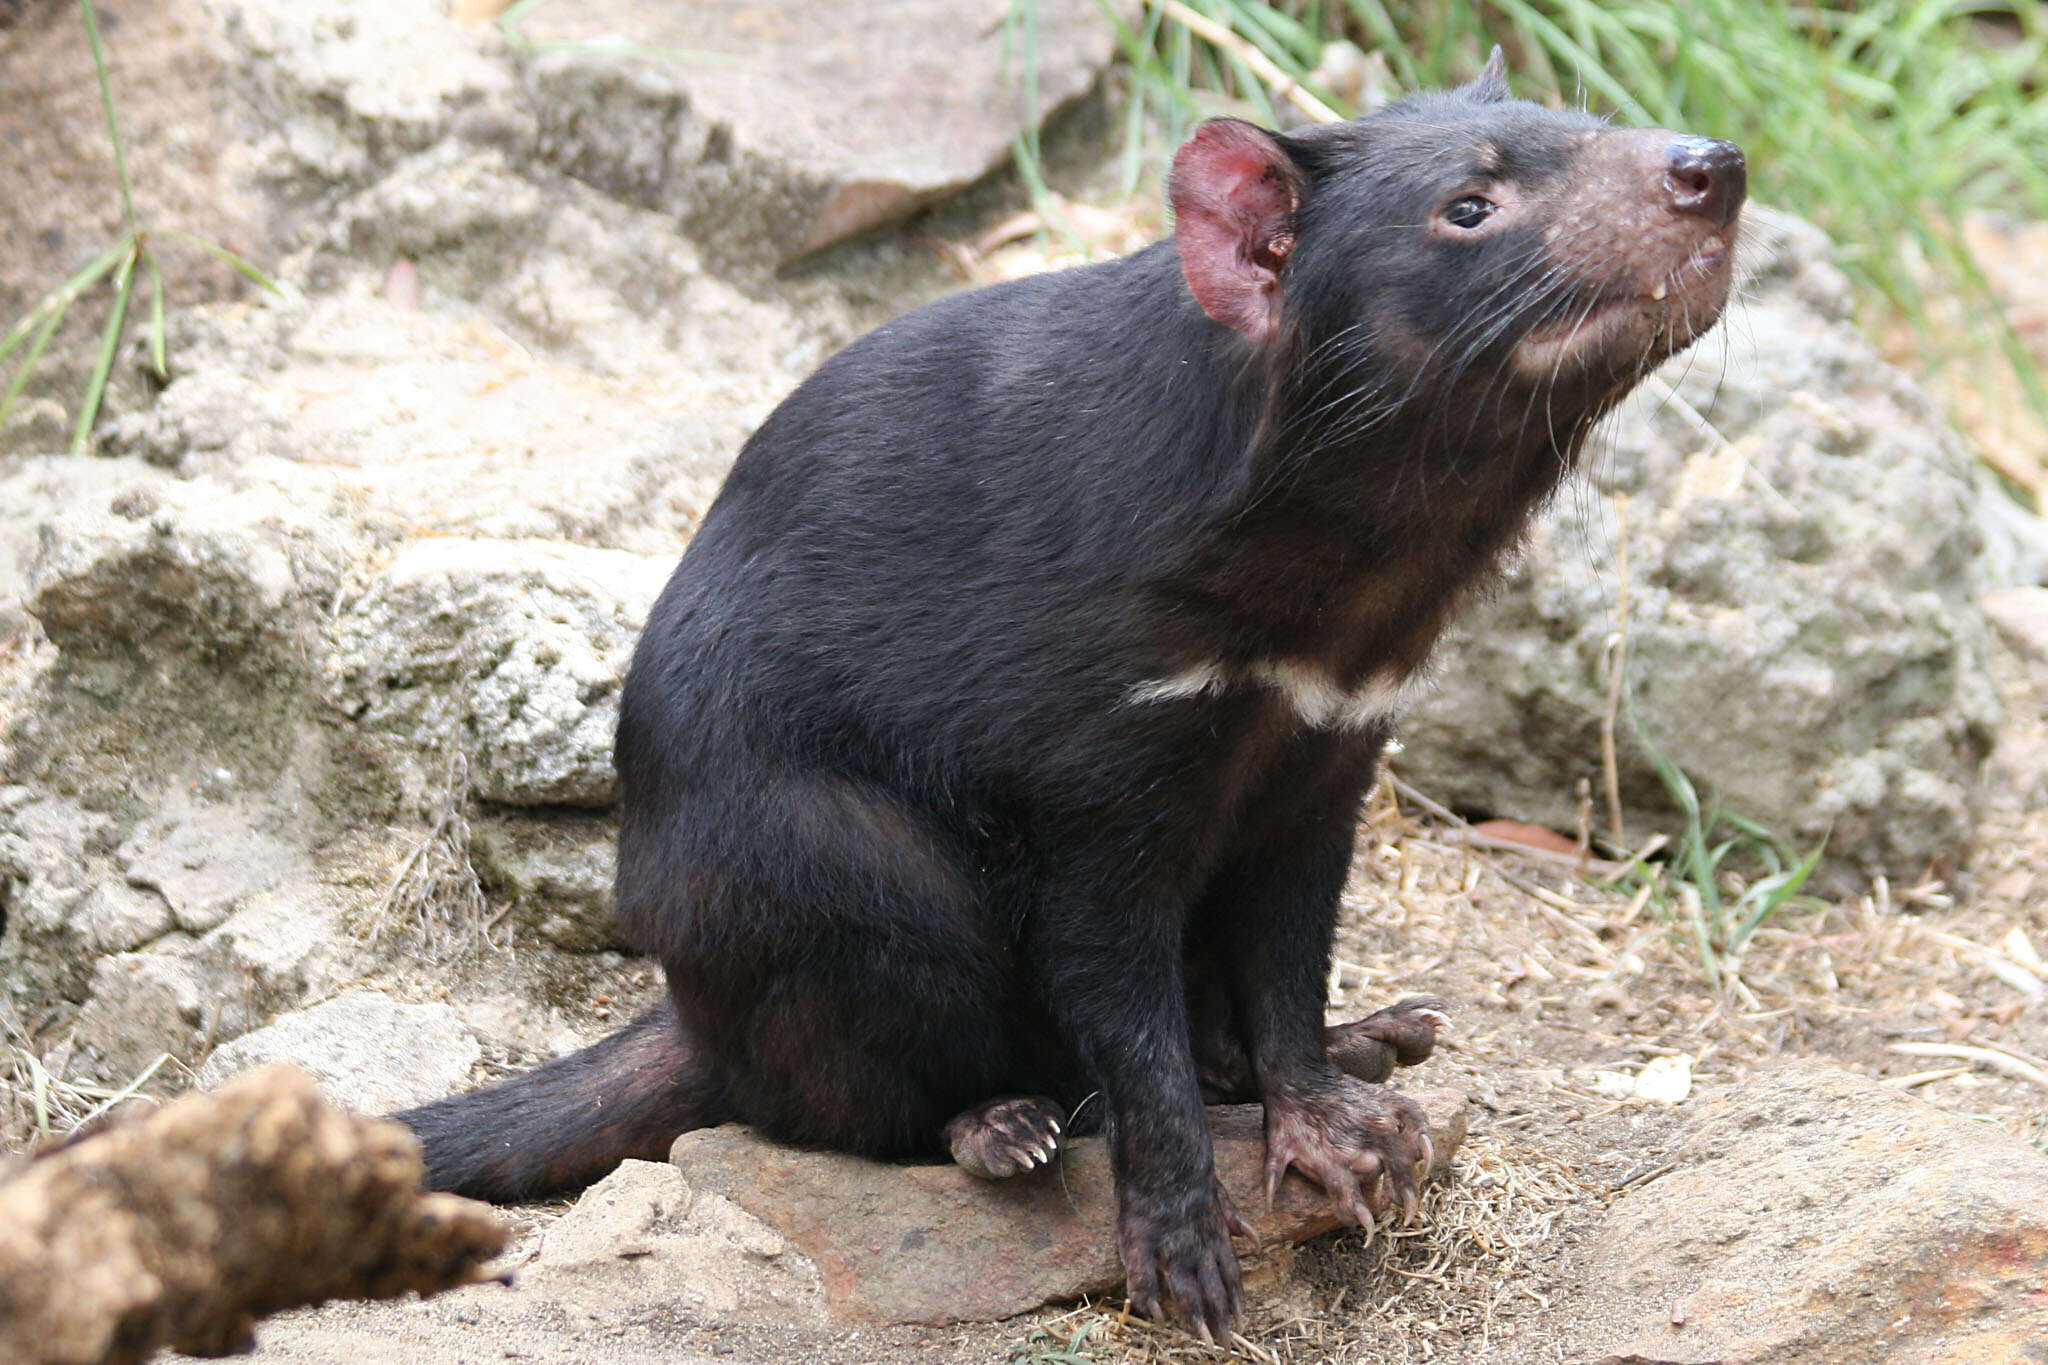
x=282, y=945
x=1804, y=637
x=556, y=870
x=2015, y=540
x=47, y=879
x=141, y=1006
x=931, y=1244
x=543, y=390
x=369, y=1052
x=182, y=618
x=196, y=568
x=348, y=86
x=183, y=995
x=509, y=653
x=116, y=918
x=2016, y=779
x=2021, y=616
x=201, y=863
x=1818, y=1218
x=643, y=1239
x=814, y=122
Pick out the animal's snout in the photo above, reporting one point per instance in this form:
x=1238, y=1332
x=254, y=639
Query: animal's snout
x=1706, y=176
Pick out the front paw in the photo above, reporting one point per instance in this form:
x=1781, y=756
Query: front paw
x=1367, y=1146
x=1178, y=1249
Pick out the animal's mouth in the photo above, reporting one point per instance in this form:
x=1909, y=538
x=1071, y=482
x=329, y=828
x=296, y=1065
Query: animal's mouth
x=1642, y=322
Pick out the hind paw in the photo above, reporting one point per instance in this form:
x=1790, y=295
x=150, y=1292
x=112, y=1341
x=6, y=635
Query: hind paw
x=1399, y=1035
x=1007, y=1137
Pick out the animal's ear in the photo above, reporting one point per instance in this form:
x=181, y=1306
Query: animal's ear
x=1491, y=85
x=1235, y=193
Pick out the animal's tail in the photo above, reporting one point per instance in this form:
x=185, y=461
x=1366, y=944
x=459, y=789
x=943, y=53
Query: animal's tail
x=572, y=1120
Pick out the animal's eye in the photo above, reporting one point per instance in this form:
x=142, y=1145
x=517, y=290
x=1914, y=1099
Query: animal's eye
x=1469, y=212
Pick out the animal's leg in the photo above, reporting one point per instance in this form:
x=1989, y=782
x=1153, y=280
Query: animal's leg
x=1271, y=913
x=1108, y=948
x=837, y=957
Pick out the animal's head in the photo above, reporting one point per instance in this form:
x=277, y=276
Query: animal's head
x=1460, y=246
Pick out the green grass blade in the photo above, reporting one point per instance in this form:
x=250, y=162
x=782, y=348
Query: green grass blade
x=63, y=296
x=1386, y=36
x=1562, y=45
x=28, y=363
x=159, y=358
x=99, y=62
x=110, y=342
x=226, y=257
x=1774, y=893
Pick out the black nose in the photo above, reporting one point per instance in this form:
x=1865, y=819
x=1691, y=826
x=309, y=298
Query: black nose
x=1707, y=177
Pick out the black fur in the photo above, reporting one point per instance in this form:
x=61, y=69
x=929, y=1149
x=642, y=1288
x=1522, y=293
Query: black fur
x=571, y=1120
x=900, y=820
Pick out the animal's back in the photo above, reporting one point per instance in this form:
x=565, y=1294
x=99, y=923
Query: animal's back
x=941, y=531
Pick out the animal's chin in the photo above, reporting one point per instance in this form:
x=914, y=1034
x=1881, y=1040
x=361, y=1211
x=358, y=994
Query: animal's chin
x=1621, y=335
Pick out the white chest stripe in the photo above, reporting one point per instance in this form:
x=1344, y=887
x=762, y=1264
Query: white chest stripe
x=1312, y=694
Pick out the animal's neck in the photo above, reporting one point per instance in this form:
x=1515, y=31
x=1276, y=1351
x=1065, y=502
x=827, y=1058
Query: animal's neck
x=1352, y=548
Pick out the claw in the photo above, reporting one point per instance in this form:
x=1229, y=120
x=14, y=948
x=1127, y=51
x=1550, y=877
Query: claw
x=1428, y=1157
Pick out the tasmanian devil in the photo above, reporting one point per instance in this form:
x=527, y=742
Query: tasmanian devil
x=991, y=764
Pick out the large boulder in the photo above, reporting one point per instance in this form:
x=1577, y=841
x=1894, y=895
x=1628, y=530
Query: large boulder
x=769, y=131
x=1803, y=632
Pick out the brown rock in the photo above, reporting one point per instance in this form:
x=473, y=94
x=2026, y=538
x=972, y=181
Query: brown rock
x=1817, y=1218
x=783, y=126
x=931, y=1244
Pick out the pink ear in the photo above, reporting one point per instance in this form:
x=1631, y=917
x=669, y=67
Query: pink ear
x=1234, y=195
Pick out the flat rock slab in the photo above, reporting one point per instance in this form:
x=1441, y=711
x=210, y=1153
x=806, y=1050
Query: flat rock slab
x=369, y=1052
x=932, y=1244
x=1816, y=1218
x=794, y=124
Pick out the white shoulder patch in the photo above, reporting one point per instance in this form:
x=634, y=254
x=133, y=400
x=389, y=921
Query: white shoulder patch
x=1312, y=694
x=1192, y=682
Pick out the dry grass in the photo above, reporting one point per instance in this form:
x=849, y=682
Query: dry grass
x=40, y=1103
x=435, y=897
x=1462, y=1274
